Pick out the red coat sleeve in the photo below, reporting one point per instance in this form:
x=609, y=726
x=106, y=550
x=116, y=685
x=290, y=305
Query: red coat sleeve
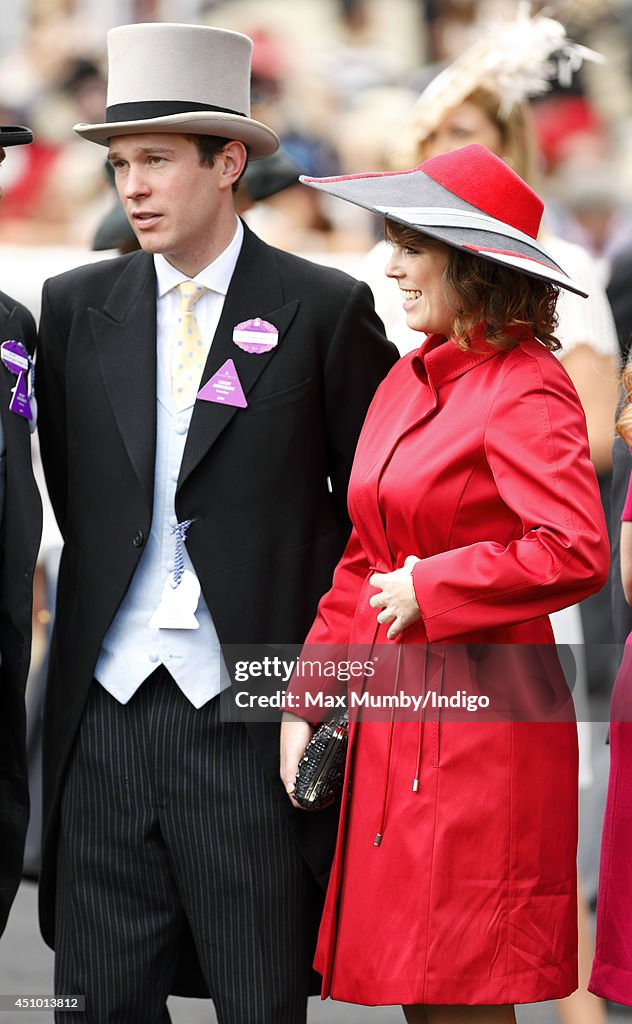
x=537, y=451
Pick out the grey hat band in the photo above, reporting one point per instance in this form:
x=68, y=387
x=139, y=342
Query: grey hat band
x=443, y=217
x=120, y=112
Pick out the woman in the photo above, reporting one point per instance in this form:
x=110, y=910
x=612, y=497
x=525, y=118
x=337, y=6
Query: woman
x=482, y=97
x=612, y=968
x=475, y=512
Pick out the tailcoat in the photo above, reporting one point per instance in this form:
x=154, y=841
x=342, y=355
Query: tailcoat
x=264, y=486
x=461, y=888
x=20, y=532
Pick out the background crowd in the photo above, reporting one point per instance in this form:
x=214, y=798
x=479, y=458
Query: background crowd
x=335, y=79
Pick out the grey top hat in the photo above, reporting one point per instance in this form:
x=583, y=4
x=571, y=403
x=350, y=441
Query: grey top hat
x=187, y=79
x=14, y=135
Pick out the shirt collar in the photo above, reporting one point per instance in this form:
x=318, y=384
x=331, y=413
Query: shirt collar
x=216, y=277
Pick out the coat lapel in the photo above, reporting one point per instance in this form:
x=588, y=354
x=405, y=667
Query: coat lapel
x=254, y=291
x=125, y=335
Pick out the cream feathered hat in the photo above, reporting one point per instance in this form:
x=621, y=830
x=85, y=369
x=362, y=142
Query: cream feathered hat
x=516, y=59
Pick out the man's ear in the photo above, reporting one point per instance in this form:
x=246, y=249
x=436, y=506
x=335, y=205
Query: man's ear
x=234, y=158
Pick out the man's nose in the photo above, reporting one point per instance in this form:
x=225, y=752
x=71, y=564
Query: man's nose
x=135, y=183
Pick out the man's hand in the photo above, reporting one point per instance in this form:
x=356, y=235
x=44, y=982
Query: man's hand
x=396, y=598
x=295, y=735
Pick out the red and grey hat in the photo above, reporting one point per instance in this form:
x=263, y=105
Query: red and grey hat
x=469, y=199
x=14, y=135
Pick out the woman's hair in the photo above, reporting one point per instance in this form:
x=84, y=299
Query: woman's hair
x=484, y=292
x=514, y=126
x=624, y=420
x=516, y=132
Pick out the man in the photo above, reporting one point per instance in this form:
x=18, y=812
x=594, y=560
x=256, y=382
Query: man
x=189, y=522
x=20, y=529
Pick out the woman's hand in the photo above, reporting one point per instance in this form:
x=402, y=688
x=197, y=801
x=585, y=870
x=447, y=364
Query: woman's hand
x=396, y=598
x=295, y=735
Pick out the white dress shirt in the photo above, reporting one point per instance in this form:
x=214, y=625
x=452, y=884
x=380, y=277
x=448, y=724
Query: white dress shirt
x=131, y=648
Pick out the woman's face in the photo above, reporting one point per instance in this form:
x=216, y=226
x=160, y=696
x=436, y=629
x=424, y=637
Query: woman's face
x=462, y=126
x=419, y=271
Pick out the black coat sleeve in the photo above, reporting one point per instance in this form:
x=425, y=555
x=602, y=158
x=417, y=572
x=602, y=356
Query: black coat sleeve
x=358, y=359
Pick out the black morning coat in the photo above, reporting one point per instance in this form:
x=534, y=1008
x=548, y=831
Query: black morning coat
x=20, y=536
x=265, y=486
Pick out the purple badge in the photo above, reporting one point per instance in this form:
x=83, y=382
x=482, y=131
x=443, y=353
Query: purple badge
x=224, y=387
x=17, y=360
x=256, y=336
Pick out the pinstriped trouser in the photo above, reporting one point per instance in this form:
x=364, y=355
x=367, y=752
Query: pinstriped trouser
x=166, y=816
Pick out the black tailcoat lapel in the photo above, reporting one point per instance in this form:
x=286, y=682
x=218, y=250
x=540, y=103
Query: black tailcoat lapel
x=125, y=336
x=255, y=291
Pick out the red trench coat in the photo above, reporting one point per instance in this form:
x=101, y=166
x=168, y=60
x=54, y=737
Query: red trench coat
x=478, y=463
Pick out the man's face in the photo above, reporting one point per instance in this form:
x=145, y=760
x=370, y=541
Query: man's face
x=175, y=205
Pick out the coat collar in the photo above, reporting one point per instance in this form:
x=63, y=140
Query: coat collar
x=125, y=335
x=440, y=360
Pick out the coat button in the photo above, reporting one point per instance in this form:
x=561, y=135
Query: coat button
x=138, y=539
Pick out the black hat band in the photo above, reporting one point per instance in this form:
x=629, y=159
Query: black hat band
x=160, y=108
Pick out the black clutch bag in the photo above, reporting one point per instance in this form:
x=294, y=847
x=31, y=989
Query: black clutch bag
x=322, y=767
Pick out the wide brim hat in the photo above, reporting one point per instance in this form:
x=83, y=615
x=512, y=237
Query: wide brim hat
x=14, y=135
x=185, y=79
x=470, y=199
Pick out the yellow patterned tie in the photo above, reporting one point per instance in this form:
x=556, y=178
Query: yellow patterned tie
x=189, y=352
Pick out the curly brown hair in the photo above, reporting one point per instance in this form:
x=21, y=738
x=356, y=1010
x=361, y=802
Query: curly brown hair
x=484, y=292
x=624, y=420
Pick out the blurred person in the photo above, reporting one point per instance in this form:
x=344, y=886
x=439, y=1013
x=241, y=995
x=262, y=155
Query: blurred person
x=621, y=610
x=620, y=297
x=202, y=502
x=20, y=529
x=27, y=215
x=475, y=513
x=589, y=207
x=611, y=975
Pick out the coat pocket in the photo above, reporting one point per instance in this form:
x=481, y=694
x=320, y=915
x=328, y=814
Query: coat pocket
x=280, y=398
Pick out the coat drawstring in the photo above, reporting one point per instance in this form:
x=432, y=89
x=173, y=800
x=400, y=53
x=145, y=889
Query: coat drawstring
x=420, y=741
x=389, y=749
x=420, y=737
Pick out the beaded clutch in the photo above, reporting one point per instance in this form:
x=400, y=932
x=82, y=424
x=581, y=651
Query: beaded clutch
x=322, y=767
